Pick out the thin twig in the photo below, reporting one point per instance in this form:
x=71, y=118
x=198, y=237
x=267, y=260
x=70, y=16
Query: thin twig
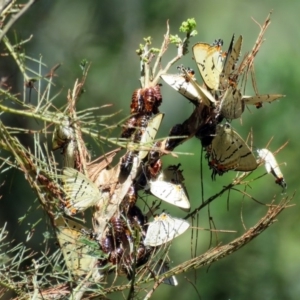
x=14, y=18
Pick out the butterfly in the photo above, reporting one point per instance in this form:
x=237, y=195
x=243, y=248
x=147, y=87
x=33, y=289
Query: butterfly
x=80, y=192
x=62, y=134
x=209, y=60
x=182, y=84
x=149, y=134
x=231, y=104
x=228, y=151
x=164, y=229
x=272, y=166
x=168, y=187
x=76, y=254
x=203, y=94
x=258, y=100
x=232, y=57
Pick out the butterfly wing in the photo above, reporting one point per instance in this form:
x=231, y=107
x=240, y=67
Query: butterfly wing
x=80, y=192
x=210, y=63
x=232, y=57
x=272, y=166
x=258, y=100
x=205, y=96
x=170, y=192
x=149, y=134
x=231, y=105
x=230, y=152
x=182, y=85
x=75, y=253
x=163, y=229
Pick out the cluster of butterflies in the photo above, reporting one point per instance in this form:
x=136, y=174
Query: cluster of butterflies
x=221, y=93
x=129, y=239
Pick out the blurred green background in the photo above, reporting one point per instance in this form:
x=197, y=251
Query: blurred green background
x=107, y=33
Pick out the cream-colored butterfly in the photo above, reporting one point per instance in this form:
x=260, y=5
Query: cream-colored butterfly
x=76, y=253
x=258, y=100
x=149, y=134
x=228, y=151
x=272, y=166
x=164, y=229
x=169, y=187
x=80, y=192
x=182, y=84
x=209, y=60
x=232, y=57
x=231, y=103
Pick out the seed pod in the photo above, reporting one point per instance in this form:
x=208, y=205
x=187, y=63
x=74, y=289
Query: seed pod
x=158, y=97
x=107, y=244
x=137, y=102
x=129, y=127
x=154, y=155
x=116, y=255
x=118, y=225
x=149, y=99
x=130, y=197
x=126, y=163
x=136, y=216
x=155, y=168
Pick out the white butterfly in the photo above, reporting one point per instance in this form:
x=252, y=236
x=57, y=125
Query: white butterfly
x=80, y=192
x=75, y=253
x=272, y=166
x=228, y=151
x=169, y=187
x=163, y=229
x=182, y=84
x=209, y=60
x=231, y=104
x=258, y=100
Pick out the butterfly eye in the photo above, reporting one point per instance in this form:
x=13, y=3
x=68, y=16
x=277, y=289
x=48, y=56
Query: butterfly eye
x=227, y=126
